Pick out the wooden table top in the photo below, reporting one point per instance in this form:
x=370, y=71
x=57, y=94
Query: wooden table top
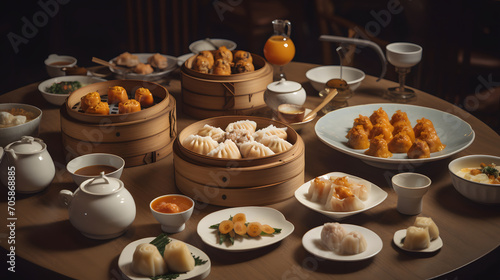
x=44, y=235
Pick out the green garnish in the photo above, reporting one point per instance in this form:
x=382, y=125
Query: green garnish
x=160, y=242
x=490, y=169
x=64, y=87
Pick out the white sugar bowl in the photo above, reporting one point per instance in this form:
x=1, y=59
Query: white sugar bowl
x=284, y=92
x=101, y=208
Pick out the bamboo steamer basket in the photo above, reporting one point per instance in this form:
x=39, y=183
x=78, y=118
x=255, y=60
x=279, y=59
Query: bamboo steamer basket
x=208, y=95
x=139, y=138
x=239, y=182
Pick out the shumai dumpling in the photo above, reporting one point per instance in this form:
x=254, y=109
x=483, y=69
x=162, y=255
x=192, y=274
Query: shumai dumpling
x=201, y=64
x=129, y=106
x=200, y=144
x=117, y=94
x=144, y=96
x=226, y=149
x=381, y=129
x=243, y=66
x=209, y=56
x=221, y=67
x=89, y=100
x=419, y=149
x=320, y=190
x=365, y=122
x=353, y=243
x=400, y=143
x=243, y=124
x=243, y=55
x=253, y=149
x=399, y=116
x=102, y=108
x=332, y=235
x=379, y=115
x=378, y=147
x=158, y=61
x=432, y=140
x=276, y=144
x=358, y=138
x=216, y=133
x=270, y=131
x=404, y=127
x=224, y=54
x=127, y=59
x=239, y=136
x=143, y=69
x=423, y=125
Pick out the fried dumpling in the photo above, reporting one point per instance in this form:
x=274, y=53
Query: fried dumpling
x=201, y=64
x=400, y=116
x=148, y=261
x=381, y=129
x=365, y=122
x=400, y=143
x=319, y=190
x=417, y=238
x=221, y=67
x=144, y=96
x=426, y=222
x=353, y=243
x=243, y=124
x=422, y=125
x=253, y=149
x=378, y=147
x=239, y=136
x=270, y=131
x=226, y=149
x=243, y=66
x=224, y=54
x=209, y=56
x=102, y=108
x=243, y=55
x=276, y=144
x=378, y=116
x=129, y=106
x=405, y=127
x=143, y=69
x=127, y=59
x=89, y=100
x=432, y=139
x=178, y=257
x=117, y=94
x=332, y=235
x=358, y=138
x=419, y=149
x=216, y=133
x=158, y=61
x=200, y=144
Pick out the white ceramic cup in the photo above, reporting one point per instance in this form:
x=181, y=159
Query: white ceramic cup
x=172, y=222
x=55, y=70
x=403, y=55
x=410, y=188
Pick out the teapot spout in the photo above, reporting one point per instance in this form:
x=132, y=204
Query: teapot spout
x=10, y=152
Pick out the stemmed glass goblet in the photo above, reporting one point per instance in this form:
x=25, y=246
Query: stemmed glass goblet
x=403, y=56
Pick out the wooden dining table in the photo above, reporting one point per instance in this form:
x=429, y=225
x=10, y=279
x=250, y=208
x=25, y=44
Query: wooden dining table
x=470, y=231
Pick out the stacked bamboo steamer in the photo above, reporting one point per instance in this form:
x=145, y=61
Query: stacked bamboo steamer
x=241, y=182
x=139, y=138
x=207, y=95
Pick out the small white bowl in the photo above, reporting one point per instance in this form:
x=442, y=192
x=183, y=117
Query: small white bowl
x=478, y=192
x=59, y=99
x=172, y=222
x=318, y=76
x=55, y=70
x=204, y=45
x=95, y=159
x=14, y=133
x=410, y=188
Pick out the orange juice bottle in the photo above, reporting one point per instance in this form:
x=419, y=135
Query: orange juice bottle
x=279, y=50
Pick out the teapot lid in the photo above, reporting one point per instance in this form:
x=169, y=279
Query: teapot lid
x=27, y=145
x=284, y=86
x=101, y=185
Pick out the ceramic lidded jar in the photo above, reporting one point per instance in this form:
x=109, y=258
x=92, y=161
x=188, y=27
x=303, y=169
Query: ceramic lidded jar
x=284, y=92
x=27, y=163
x=101, y=208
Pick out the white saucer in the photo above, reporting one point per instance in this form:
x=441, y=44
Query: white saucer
x=434, y=246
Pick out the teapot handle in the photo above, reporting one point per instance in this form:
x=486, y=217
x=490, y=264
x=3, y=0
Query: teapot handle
x=1, y=154
x=65, y=197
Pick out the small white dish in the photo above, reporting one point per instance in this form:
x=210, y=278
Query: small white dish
x=455, y=133
x=264, y=215
x=299, y=125
x=318, y=76
x=143, y=58
x=55, y=63
x=312, y=243
x=401, y=234
x=59, y=99
x=377, y=196
x=125, y=262
x=181, y=59
x=204, y=45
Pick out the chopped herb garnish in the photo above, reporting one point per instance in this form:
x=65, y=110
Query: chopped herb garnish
x=490, y=170
x=64, y=87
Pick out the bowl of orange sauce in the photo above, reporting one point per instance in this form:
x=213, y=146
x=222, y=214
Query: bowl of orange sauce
x=172, y=211
x=90, y=166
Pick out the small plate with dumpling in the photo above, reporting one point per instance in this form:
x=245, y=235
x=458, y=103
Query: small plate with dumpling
x=400, y=235
x=422, y=236
x=312, y=242
x=125, y=262
x=365, y=196
x=144, y=66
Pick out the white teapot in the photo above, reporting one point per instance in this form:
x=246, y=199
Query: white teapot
x=101, y=208
x=284, y=92
x=27, y=163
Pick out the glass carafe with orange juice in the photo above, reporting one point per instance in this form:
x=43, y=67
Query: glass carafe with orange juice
x=279, y=49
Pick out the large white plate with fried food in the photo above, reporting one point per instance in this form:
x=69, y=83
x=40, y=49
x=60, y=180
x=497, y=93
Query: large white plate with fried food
x=143, y=58
x=376, y=196
x=312, y=243
x=125, y=262
x=264, y=215
x=454, y=132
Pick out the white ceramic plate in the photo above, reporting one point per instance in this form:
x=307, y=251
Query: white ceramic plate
x=125, y=262
x=181, y=59
x=58, y=99
x=434, y=246
x=455, y=133
x=264, y=215
x=203, y=45
x=156, y=75
x=377, y=196
x=312, y=243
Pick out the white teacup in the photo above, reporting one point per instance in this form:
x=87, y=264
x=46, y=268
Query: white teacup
x=410, y=188
x=54, y=64
x=173, y=222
